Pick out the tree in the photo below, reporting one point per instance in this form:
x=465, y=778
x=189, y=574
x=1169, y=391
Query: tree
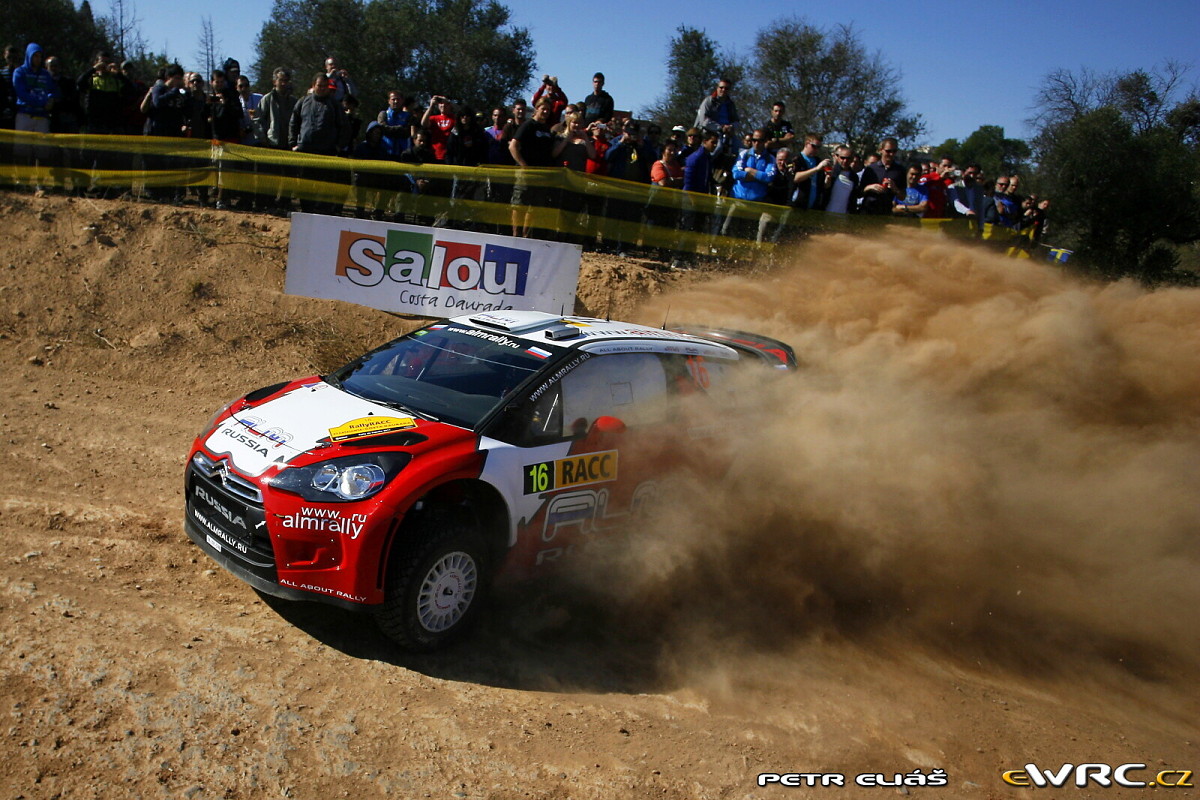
x=300, y=33
x=464, y=49
x=989, y=148
x=694, y=65
x=122, y=28
x=57, y=26
x=1143, y=98
x=831, y=84
x=1122, y=221
x=948, y=149
x=1184, y=119
x=1118, y=156
x=207, y=47
x=1065, y=95
x=150, y=64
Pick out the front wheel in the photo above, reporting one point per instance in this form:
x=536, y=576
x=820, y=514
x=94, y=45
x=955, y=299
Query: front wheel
x=435, y=586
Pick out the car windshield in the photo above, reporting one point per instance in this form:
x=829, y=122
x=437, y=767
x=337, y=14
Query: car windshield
x=446, y=372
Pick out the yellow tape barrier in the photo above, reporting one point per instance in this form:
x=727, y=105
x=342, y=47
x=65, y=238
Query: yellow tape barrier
x=555, y=202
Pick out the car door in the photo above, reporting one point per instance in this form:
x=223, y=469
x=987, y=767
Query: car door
x=577, y=456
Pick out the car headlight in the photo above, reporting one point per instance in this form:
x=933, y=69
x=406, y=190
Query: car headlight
x=342, y=480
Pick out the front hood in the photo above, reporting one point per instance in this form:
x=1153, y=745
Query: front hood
x=277, y=431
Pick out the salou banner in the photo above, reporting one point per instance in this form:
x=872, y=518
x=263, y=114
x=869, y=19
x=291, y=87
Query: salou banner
x=432, y=272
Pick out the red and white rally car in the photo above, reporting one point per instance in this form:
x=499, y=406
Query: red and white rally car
x=477, y=447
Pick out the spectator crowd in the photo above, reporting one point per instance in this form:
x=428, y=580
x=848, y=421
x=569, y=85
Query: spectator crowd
x=713, y=155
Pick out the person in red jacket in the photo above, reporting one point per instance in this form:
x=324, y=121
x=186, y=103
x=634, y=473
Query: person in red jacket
x=936, y=181
x=558, y=98
x=439, y=121
x=598, y=165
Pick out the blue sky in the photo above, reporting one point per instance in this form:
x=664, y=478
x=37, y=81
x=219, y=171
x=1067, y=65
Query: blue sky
x=963, y=64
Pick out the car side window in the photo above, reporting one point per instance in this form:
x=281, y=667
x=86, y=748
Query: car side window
x=714, y=381
x=633, y=387
x=629, y=386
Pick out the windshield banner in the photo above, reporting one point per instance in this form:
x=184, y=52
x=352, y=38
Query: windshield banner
x=432, y=272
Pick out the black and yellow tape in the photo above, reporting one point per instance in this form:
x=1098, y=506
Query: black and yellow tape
x=554, y=203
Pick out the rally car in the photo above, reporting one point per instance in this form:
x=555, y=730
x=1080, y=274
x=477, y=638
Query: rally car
x=478, y=447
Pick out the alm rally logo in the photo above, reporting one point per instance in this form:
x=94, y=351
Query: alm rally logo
x=419, y=261
x=326, y=520
x=370, y=426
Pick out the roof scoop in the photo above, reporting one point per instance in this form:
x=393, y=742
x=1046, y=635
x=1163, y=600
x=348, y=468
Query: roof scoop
x=559, y=332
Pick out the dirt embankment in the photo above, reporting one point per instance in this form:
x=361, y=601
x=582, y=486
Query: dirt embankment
x=967, y=542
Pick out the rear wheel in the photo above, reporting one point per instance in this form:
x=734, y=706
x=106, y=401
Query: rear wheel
x=436, y=582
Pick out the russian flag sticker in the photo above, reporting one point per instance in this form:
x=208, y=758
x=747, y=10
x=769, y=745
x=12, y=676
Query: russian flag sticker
x=539, y=352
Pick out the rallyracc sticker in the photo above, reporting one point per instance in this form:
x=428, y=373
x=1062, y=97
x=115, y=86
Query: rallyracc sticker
x=369, y=426
x=571, y=471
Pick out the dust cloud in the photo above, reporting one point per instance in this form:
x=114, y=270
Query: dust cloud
x=976, y=451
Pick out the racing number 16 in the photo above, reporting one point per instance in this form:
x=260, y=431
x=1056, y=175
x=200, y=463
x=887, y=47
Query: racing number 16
x=537, y=479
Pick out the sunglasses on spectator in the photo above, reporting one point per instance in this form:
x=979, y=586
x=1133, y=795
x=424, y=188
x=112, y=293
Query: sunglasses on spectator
x=1001, y=184
x=889, y=151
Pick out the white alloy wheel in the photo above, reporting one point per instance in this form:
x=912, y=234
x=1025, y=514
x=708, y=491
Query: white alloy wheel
x=437, y=581
x=447, y=591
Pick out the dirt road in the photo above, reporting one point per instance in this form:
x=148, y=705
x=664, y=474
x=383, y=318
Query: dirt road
x=131, y=666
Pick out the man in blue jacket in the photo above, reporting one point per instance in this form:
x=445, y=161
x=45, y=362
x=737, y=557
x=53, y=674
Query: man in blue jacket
x=752, y=175
x=754, y=169
x=697, y=177
x=697, y=169
x=35, y=91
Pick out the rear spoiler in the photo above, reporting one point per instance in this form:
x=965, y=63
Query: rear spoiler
x=772, y=351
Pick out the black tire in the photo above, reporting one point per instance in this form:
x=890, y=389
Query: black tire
x=437, y=577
